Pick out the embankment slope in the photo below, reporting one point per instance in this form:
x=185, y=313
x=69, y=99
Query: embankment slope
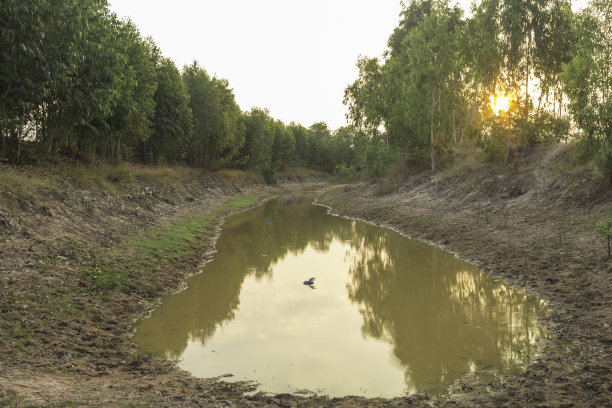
x=531, y=223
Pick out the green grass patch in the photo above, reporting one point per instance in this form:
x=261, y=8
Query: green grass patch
x=169, y=242
x=150, y=250
x=240, y=202
x=8, y=399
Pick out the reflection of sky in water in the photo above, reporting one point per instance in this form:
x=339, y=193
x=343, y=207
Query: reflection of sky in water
x=388, y=316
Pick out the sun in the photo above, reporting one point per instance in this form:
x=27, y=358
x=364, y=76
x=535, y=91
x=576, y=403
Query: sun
x=500, y=103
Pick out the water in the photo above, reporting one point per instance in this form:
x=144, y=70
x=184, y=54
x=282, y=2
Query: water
x=387, y=316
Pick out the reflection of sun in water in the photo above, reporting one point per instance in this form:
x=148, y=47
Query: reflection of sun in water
x=500, y=103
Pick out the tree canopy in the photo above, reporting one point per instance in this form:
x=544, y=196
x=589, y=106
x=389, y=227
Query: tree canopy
x=444, y=76
x=77, y=81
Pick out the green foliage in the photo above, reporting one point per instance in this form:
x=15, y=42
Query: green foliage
x=377, y=157
x=269, y=174
x=588, y=83
x=415, y=96
x=172, y=122
x=259, y=138
x=504, y=134
x=217, y=131
x=345, y=174
x=441, y=70
x=77, y=81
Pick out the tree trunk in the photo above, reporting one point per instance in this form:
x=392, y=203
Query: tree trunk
x=507, y=146
x=540, y=100
x=433, y=104
x=454, y=132
x=527, y=75
x=118, y=148
x=18, y=135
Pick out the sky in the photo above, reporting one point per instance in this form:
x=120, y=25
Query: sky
x=293, y=57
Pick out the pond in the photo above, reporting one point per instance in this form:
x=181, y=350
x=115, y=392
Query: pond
x=386, y=315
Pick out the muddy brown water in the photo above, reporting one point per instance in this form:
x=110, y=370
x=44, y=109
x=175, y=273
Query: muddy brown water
x=387, y=316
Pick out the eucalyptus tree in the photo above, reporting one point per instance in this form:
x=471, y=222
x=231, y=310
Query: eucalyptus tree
x=366, y=98
x=217, y=131
x=259, y=139
x=432, y=74
x=283, y=146
x=86, y=104
x=587, y=79
x=302, y=144
x=131, y=118
x=321, y=148
x=558, y=40
x=23, y=65
x=172, y=122
x=43, y=45
x=344, y=139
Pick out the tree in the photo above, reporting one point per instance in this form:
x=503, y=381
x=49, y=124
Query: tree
x=131, y=120
x=302, y=144
x=283, y=147
x=172, y=122
x=588, y=82
x=217, y=132
x=259, y=139
x=430, y=51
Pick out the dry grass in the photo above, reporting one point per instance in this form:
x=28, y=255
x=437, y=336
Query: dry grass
x=239, y=176
x=466, y=157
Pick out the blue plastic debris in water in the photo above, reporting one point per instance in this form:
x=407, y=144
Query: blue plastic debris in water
x=309, y=281
x=287, y=202
x=269, y=221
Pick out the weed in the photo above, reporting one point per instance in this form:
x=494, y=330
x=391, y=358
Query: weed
x=8, y=399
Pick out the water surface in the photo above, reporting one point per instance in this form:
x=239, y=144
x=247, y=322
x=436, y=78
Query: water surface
x=387, y=316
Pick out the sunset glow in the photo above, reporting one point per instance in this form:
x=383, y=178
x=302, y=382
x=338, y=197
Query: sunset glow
x=500, y=103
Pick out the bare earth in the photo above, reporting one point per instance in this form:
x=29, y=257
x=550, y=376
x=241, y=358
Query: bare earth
x=530, y=224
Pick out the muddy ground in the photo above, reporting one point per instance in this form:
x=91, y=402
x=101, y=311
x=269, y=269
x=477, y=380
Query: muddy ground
x=533, y=225
x=64, y=344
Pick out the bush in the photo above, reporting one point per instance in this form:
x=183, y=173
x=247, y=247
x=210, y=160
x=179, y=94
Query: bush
x=269, y=174
x=345, y=174
x=377, y=158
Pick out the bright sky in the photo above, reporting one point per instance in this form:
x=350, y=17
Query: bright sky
x=293, y=57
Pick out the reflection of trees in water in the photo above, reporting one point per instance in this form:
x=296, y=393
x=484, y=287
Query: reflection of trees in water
x=433, y=307
x=213, y=297
x=428, y=305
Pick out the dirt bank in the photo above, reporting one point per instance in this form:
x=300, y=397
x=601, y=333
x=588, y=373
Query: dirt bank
x=532, y=225
x=64, y=331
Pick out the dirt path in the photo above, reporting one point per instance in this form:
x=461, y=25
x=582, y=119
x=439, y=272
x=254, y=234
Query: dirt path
x=63, y=344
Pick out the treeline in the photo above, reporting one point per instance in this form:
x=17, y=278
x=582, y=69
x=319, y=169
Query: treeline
x=514, y=74
x=77, y=81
